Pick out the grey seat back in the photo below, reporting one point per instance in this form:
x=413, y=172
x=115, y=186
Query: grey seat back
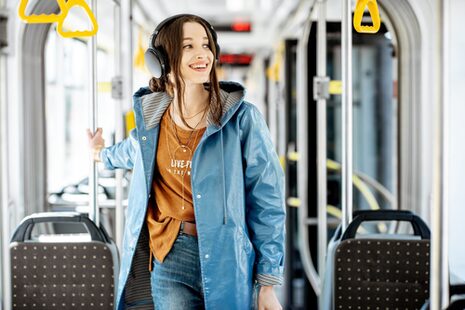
x=381, y=273
x=79, y=274
x=62, y=275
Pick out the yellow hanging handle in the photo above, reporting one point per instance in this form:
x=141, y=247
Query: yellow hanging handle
x=41, y=18
x=60, y=18
x=374, y=13
x=74, y=34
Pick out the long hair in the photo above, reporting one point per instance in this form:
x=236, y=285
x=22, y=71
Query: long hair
x=169, y=39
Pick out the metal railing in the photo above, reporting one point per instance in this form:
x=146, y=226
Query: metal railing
x=302, y=163
x=346, y=111
x=94, y=214
x=439, y=284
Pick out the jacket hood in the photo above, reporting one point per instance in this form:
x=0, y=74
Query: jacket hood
x=152, y=105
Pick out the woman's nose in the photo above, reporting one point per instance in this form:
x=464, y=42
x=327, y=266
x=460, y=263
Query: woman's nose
x=201, y=55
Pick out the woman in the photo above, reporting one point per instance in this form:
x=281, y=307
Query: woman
x=205, y=222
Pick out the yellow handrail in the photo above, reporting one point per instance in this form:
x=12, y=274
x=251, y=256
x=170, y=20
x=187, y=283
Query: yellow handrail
x=363, y=188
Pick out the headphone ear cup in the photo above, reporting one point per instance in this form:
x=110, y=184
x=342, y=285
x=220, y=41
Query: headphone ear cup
x=156, y=62
x=215, y=41
x=217, y=51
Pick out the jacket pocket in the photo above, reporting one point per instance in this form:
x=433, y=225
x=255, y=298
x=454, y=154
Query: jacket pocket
x=246, y=243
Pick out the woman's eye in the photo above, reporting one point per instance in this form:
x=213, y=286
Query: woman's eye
x=206, y=45
x=187, y=46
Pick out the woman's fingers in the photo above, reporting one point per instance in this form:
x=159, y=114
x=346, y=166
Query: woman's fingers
x=96, y=140
x=97, y=133
x=96, y=143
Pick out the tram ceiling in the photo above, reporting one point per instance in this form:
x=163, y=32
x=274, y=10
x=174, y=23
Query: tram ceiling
x=264, y=16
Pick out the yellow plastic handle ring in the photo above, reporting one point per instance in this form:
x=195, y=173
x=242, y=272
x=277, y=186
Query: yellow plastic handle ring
x=374, y=13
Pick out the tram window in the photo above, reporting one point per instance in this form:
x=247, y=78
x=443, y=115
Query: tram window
x=67, y=112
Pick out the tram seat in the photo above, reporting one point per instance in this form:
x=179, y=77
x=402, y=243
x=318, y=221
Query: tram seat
x=67, y=271
x=377, y=271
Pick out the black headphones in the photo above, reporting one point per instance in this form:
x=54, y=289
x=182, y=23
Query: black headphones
x=157, y=60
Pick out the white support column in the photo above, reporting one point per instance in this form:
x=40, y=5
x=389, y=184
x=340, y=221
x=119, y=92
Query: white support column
x=439, y=285
x=321, y=99
x=119, y=130
x=125, y=55
x=5, y=286
x=302, y=163
x=93, y=110
x=346, y=172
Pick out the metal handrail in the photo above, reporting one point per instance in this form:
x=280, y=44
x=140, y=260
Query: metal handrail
x=388, y=196
x=126, y=66
x=346, y=111
x=4, y=190
x=93, y=172
x=439, y=284
x=119, y=208
x=321, y=141
x=302, y=164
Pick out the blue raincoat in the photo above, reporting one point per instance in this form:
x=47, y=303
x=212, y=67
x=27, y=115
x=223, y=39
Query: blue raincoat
x=238, y=195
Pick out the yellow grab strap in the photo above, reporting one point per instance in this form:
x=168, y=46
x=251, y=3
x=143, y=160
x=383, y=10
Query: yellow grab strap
x=374, y=13
x=41, y=18
x=60, y=18
x=77, y=33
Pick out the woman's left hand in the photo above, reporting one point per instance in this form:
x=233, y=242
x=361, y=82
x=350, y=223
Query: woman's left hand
x=267, y=299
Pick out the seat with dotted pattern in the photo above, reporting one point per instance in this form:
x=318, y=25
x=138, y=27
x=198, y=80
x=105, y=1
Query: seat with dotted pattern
x=62, y=275
x=380, y=273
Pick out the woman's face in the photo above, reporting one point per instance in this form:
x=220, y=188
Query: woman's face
x=197, y=57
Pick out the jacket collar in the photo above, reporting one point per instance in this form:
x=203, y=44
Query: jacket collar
x=153, y=105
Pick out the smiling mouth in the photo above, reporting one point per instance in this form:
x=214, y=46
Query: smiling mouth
x=199, y=67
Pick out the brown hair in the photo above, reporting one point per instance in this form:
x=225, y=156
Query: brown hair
x=169, y=39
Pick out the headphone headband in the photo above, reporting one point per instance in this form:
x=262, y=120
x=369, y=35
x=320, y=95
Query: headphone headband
x=157, y=60
x=170, y=19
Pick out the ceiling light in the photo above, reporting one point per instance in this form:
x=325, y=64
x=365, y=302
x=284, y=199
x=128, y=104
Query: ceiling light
x=235, y=5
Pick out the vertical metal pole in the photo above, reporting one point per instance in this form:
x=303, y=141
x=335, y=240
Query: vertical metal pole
x=93, y=108
x=439, y=285
x=346, y=174
x=6, y=289
x=4, y=190
x=119, y=209
x=302, y=163
x=126, y=48
x=321, y=143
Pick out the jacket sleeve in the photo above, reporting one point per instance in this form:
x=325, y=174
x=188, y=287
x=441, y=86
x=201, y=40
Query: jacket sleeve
x=264, y=186
x=122, y=154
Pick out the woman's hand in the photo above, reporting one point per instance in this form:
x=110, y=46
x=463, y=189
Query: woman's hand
x=96, y=143
x=267, y=299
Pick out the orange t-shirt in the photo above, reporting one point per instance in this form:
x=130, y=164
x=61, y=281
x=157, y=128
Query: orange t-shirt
x=170, y=203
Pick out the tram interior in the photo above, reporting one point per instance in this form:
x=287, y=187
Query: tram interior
x=406, y=139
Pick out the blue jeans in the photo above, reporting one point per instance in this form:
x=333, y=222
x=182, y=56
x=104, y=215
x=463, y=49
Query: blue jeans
x=177, y=282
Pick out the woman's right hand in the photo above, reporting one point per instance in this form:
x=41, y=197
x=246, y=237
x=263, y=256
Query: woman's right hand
x=96, y=143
